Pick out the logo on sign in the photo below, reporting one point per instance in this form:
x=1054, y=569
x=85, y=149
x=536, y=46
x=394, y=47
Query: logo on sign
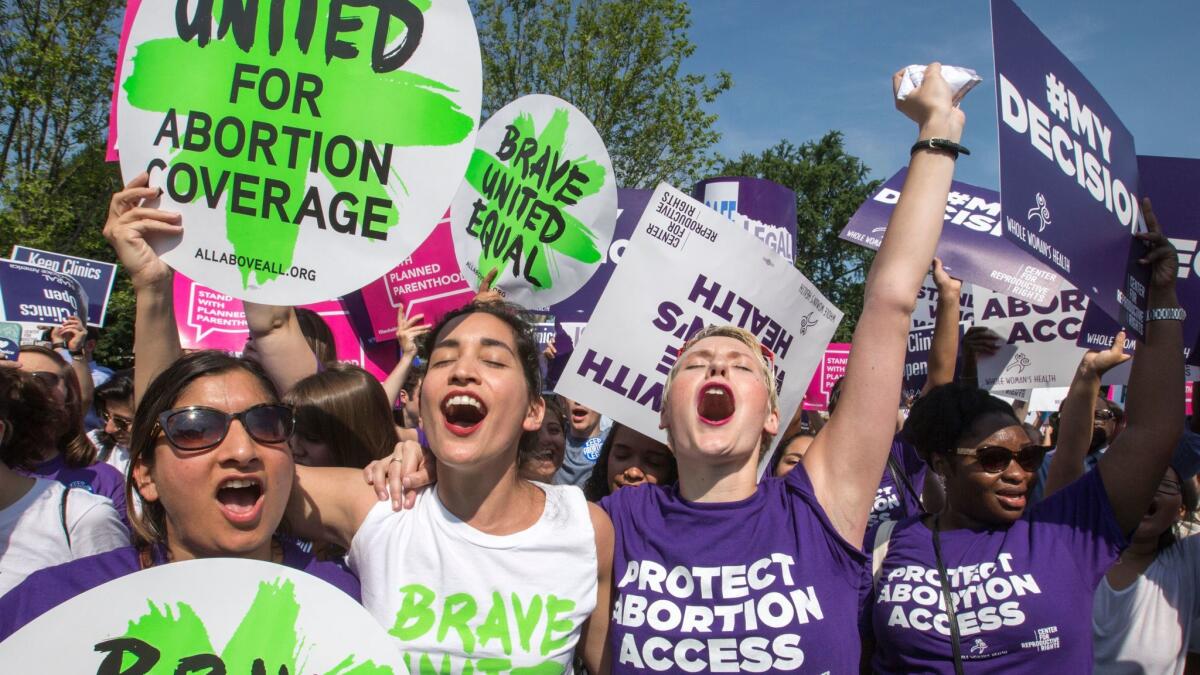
x=806, y=322
x=1041, y=212
x=1020, y=362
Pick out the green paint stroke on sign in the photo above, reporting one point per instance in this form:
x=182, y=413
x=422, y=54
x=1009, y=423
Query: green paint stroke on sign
x=266, y=640
x=266, y=109
x=526, y=188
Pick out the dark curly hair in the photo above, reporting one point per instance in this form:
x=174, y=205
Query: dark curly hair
x=516, y=318
x=31, y=419
x=940, y=419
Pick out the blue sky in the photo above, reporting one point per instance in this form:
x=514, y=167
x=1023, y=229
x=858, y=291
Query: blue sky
x=801, y=68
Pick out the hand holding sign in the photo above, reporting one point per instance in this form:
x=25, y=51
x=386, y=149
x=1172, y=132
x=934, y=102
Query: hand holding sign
x=1099, y=362
x=947, y=285
x=931, y=105
x=487, y=294
x=1162, y=258
x=70, y=334
x=408, y=331
x=130, y=221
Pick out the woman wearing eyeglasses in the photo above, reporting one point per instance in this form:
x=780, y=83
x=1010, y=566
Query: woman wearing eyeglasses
x=114, y=405
x=210, y=458
x=986, y=585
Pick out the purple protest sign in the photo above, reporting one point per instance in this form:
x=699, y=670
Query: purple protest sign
x=971, y=248
x=428, y=282
x=31, y=294
x=1068, y=169
x=574, y=312
x=1173, y=186
x=763, y=208
x=94, y=276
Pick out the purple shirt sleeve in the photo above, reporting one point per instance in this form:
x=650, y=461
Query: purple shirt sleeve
x=1081, y=516
x=46, y=589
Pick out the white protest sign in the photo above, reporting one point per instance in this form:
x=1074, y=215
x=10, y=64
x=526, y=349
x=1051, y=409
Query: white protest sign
x=1038, y=347
x=539, y=202
x=217, y=615
x=308, y=146
x=688, y=266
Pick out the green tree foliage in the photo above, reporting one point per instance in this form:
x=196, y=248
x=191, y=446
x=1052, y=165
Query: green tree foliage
x=620, y=63
x=830, y=185
x=56, y=69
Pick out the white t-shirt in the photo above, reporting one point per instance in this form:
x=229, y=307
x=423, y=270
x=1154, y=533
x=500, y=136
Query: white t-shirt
x=31, y=530
x=117, y=456
x=453, y=595
x=1144, y=628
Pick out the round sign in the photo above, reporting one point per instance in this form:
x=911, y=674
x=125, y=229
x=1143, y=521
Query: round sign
x=539, y=202
x=218, y=615
x=309, y=149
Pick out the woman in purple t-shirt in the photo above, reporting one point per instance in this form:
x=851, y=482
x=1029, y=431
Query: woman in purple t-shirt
x=723, y=573
x=1022, y=581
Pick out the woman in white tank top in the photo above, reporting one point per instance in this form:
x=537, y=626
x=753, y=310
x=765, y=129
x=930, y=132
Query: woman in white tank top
x=485, y=572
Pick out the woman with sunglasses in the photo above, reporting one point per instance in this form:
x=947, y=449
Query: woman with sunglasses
x=210, y=459
x=113, y=403
x=209, y=445
x=988, y=586
x=71, y=460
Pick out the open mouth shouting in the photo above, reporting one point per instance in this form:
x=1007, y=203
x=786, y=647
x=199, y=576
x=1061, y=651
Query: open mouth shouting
x=241, y=499
x=715, y=404
x=463, y=412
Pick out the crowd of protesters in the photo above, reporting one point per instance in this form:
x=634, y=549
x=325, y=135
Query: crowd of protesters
x=938, y=540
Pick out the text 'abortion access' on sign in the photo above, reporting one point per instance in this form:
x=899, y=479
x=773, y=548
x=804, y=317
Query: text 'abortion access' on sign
x=971, y=247
x=308, y=145
x=539, y=202
x=94, y=276
x=687, y=267
x=217, y=615
x=1068, y=169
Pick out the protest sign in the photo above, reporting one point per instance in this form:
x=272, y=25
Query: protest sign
x=539, y=202
x=831, y=369
x=94, y=276
x=1038, y=348
x=1068, y=170
x=33, y=295
x=686, y=267
x=1173, y=186
x=10, y=340
x=209, y=319
x=761, y=207
x=215, y=615
x=428, y=282
x=970, y=248
x=308, y=146
x=575, y=312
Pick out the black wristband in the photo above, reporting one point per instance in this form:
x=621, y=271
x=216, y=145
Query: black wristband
x=942, y=144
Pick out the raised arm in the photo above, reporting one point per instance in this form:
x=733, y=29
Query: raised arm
x=1076, y=421
x=279, y=345
x=944, y=352
x=847, y=458
x=1134, y=464
x=329, y=504
x=408, y=330
x=130, y=223
x=72, y=335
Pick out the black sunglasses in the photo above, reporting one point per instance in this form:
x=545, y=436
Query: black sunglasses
x=199, y=428
x=995, y=458
x=122, y=424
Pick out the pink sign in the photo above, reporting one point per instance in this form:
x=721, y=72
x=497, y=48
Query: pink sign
x=428, y=282
x=832, y=367
x=208, y=319
x=131, y=9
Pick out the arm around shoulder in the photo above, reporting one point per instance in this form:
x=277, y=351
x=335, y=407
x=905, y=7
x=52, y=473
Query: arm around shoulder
x=329, y=504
